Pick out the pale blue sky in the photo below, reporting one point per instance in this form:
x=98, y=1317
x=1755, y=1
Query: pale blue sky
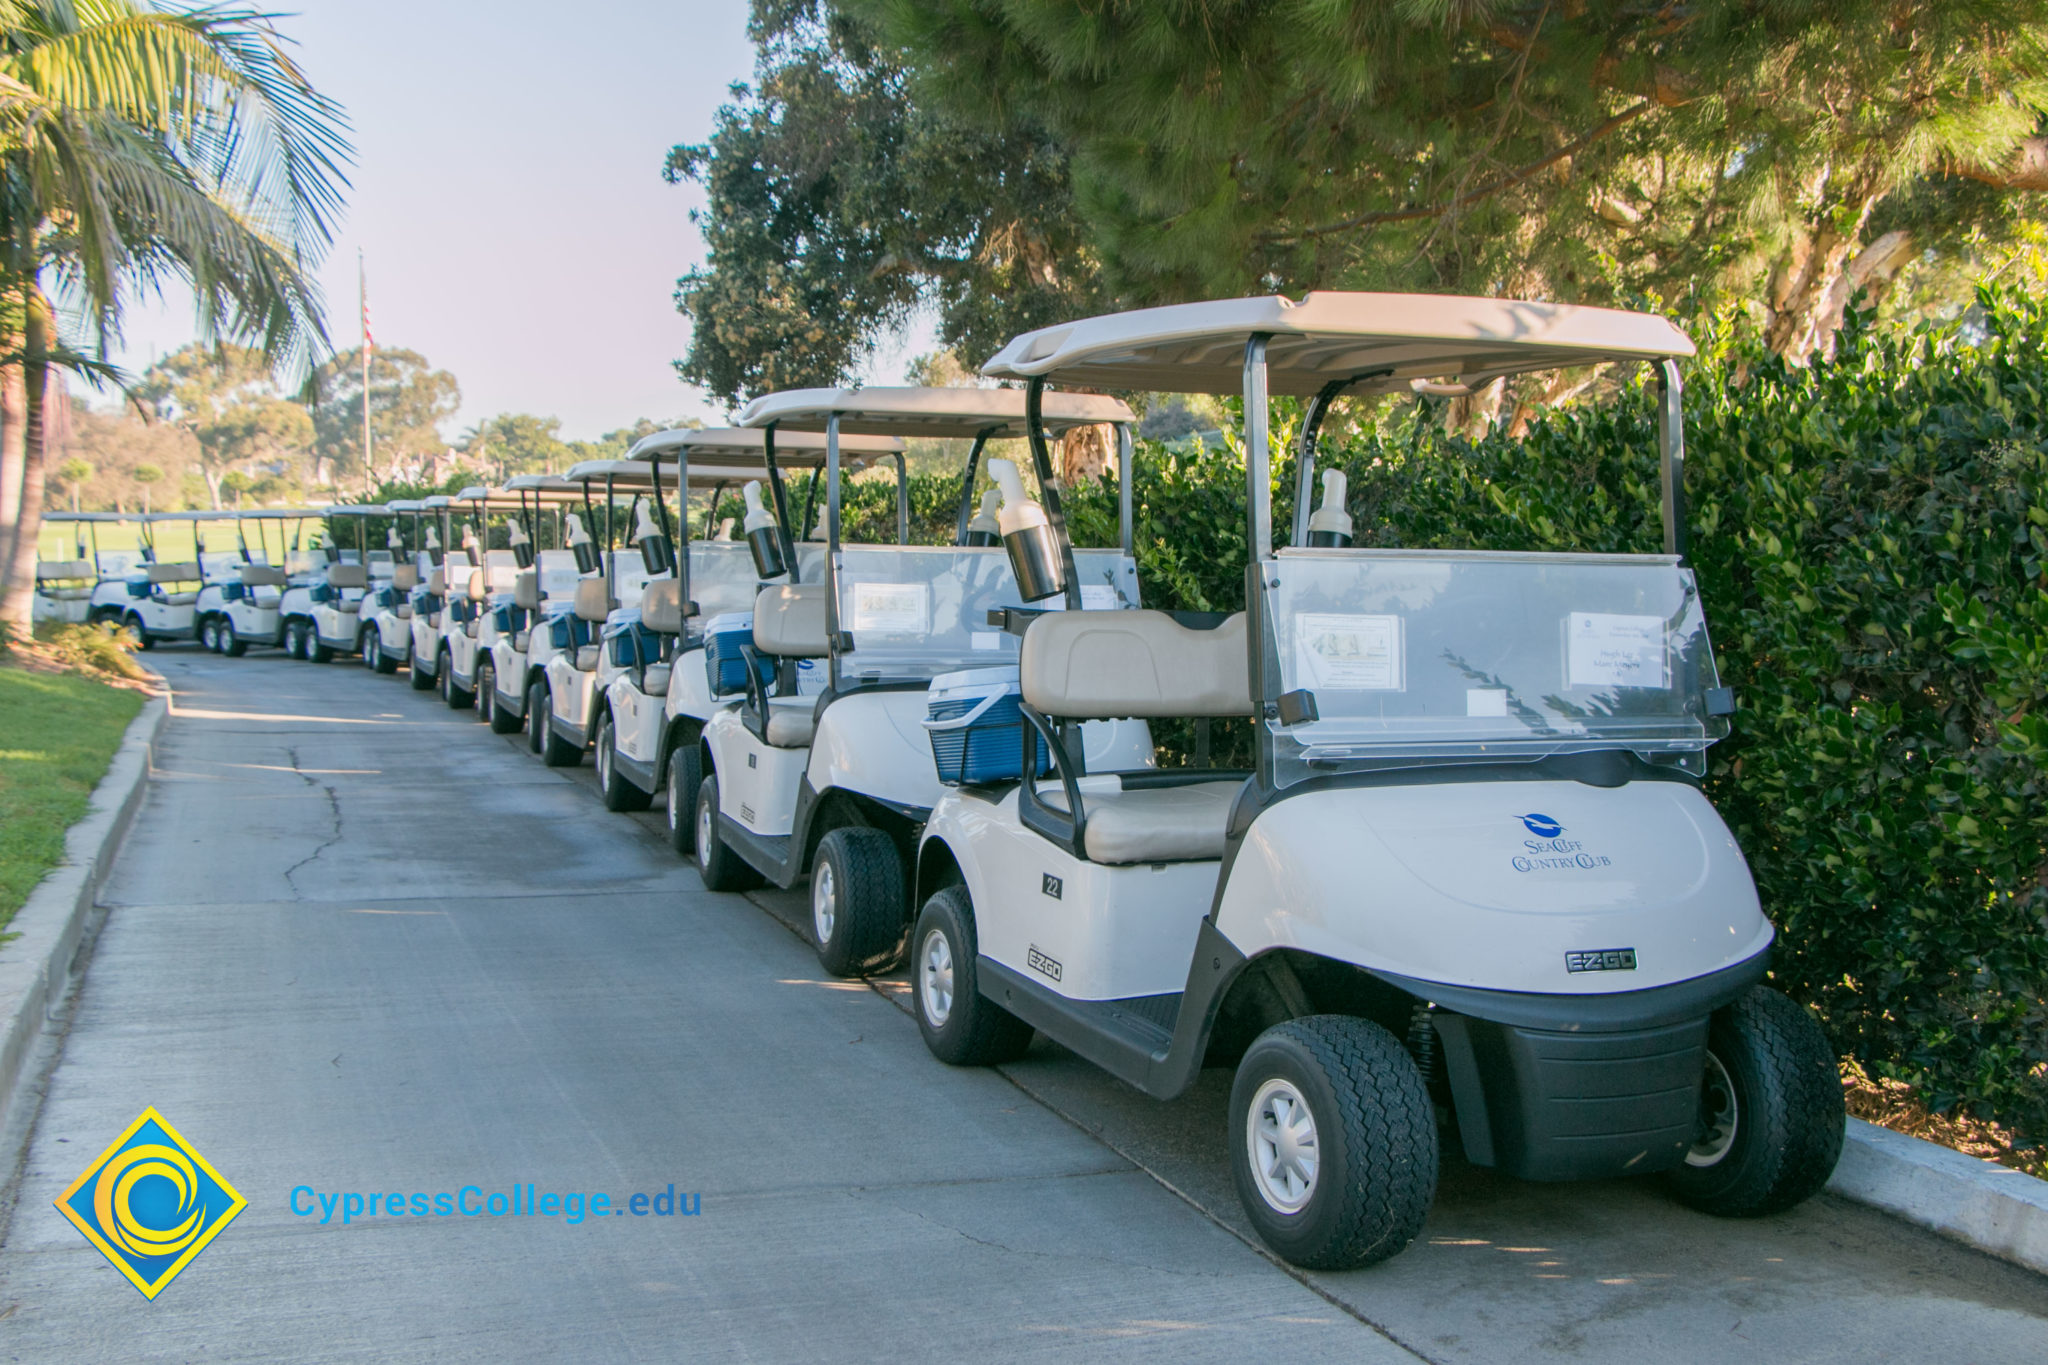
x=508, y=193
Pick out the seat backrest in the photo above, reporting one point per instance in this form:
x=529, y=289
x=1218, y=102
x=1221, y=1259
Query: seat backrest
x=1090, y=665
x=661, y=607
x=175, y=573
x=437, y=582
x=479, y=586
x=52, y=570
x=526, y=590
x=593, y=599
x=789, y=621
x=405, y=577
x=262, y=576
x=347, y=576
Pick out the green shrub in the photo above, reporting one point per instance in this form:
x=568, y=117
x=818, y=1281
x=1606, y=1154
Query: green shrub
x=102, y=649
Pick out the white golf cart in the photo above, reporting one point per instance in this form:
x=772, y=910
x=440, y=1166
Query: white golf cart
x=65, y=587
x=838, y=785
x=333, y=623
x=656, y=703
x=158, y=599
x=475, y=582
x=1473, y=865
x=387, y=610
x=242, y=608
x=519, y=639
x=444, y=569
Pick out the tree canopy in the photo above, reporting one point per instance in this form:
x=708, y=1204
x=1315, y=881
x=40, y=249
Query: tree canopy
x=1777, y=155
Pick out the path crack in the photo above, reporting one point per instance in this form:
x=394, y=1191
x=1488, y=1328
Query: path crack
x=334, y=814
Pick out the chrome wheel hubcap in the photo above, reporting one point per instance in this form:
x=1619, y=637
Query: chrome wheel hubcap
x=703, y=833
x=1720, y=1116
x=1281, y=1136
x=824, y=903
x=935, y=975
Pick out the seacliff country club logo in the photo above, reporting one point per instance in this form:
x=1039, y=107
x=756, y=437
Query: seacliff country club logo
x=150, y=1203
x=1542, y=826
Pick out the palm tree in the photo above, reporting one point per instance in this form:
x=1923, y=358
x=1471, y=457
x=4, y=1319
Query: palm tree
x=140, y=144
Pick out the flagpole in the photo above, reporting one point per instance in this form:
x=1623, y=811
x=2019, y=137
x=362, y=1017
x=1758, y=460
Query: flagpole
x=363, y=293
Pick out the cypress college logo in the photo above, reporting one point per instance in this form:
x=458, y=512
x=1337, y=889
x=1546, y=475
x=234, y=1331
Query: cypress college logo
x=150, y=1203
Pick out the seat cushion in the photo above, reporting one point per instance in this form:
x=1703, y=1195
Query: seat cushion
x=179, y=599
x=350, y=608
x=656, y=681
x=1153, y=824
x=469, y=629
x=519, y=639
x=403, y=611
x=791, y=721
x=586, y=657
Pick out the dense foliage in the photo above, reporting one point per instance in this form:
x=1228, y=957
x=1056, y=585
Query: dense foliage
x=1871, y=537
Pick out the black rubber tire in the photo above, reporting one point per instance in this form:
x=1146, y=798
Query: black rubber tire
x=231, y=644
x=316, y=652
x=421, y=682
x=717, y=863
x=1375, y=1134
x=135, y=628
x=501, y=721
x=294, y=642
x=209, y=634
x=456, y=696
x=1789, y=1115
x=976, y=1031
x=554, y=752
x=685, y=774
x=374, y=656
x=536, y=717
x=869, y=927
x=620, y=795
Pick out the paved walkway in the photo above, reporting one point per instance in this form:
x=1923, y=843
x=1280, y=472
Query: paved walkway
x=357, y=943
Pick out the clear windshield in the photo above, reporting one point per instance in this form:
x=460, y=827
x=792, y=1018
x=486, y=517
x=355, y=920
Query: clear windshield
x=1432, y=654
x=917, y=612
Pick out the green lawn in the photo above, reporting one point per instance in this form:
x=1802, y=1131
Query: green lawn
x=58, y=733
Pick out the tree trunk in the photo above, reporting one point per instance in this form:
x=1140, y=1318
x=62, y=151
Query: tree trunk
x=1807, y=289
x=17, y=605
x=13, y=457
x=1086, y=453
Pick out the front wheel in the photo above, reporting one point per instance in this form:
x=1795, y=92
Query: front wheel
x=857, y=919
x=294, y=640
x=374, y=657
x=138, y=633
x=457, y=697
x=721, y=868
x=1771, y=1112
x=231, y=644
x=961, y=1026
x=209, y=635
x=421, y=680
x=554, y=751
x=685, y=774
x=620, y=795
x=501, y=721
x=316, y=652
x=1333, y=1142
x=537, y=717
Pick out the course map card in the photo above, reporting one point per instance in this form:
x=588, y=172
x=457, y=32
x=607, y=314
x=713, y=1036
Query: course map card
x=1349, y=653
x=1615, y=651
x=891, y=608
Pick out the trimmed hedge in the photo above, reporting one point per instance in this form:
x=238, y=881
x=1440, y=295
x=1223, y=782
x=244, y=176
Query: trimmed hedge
x=1871, y=538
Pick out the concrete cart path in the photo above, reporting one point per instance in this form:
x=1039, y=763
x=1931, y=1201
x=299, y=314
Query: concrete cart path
x=358, y=943
x=558, y=1002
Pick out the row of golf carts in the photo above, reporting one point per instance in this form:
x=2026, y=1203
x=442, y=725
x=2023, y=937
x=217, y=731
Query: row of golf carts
x=1470, y=883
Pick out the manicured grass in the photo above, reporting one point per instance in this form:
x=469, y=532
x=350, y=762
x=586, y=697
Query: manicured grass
x=58, y=733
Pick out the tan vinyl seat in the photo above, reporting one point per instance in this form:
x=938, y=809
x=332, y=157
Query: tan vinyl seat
x=469, y=629
x=405, y=577
x=479, y=586
x=1153, y=824
x=403, y=611
x=262, y=576
x=179, y=599
x=347, y=576
x=586, y=658
x=1107, y=665
x=661, y=607
x=437, y=582
x=593, y=600
x=789, y=622
x=655, y=682
x=791, y=721
x=526, y=590
x=55, y=571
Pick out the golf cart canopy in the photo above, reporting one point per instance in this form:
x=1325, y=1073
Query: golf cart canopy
x=624, y=476
x=737, y=451
x=1390, y=342
x=356, y=509
x=962, y=413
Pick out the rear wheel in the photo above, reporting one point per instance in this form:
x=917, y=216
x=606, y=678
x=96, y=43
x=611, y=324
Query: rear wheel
x=555, y=751
x=685, y=773
x=421, y=680
x=960, y=1025
x=374, y=657
x=857, y=919
x=619, y=792
x=1771, y=1112
x=537, y=717
x=458, y=697
x=720, y=867
x=1333, y=1142
x=501, y=721
x=231, y=644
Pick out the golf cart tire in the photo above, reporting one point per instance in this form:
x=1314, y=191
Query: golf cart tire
x=135, y=628
x=316, y=652
x=374, y=655
x=231, y=644
x=553, y=752
x=537, y=717
x=976, y=1031
x=209, y=635
x=1789, y=1115
x=685, y=774
x=457, y=697
x=421, y=682
x=620, y=796
x=866, y=880
x=1375, y=1133
x=294, y=640
x=717, y=863
x=501, y=721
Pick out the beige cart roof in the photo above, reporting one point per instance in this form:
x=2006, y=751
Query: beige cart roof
x=954, y=412
x=726, y=453
x=356, y=509
x=1199, y=347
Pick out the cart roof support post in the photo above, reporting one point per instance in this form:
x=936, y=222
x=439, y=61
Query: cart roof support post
x=1671, y=454
x=1049, y=487
x=967, y=486
x=831, y=552
x=782, y=502
x=1126, y=524
x=902, y=500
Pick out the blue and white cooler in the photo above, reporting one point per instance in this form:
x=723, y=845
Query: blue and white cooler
x=976, y=726
x=724, y=636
